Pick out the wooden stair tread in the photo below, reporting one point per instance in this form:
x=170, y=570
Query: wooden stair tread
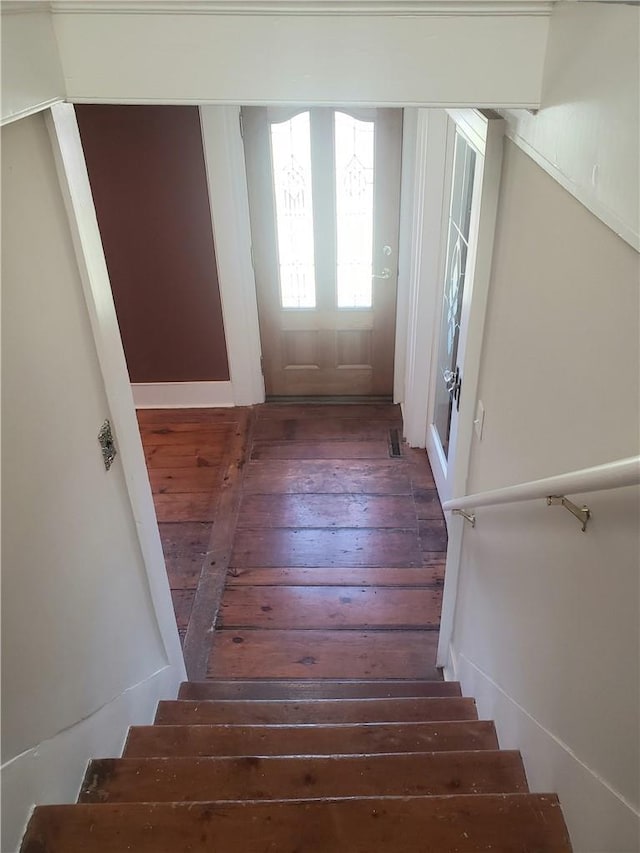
x=403, y=709
x=307, y=776
x=149, y=741
x=511, y=823
x=330, y=689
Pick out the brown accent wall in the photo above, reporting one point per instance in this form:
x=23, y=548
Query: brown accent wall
x=147, y=173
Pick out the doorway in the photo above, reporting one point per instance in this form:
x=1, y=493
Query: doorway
x=324, y=198
x=220, y=131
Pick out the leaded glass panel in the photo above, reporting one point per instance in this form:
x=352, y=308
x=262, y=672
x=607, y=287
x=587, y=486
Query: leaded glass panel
x=354, y=153
x=291, y=155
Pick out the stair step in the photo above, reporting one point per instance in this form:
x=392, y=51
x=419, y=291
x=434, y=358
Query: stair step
x=240, y=711
x=168, y=741
x=282, y=689
x=511, y=823
x=128, y=780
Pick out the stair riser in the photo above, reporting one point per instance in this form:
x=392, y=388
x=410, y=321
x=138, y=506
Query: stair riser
x=516, y=822
x=315, y=689
x=321, y=712
x=149, y=741
x=282, y=778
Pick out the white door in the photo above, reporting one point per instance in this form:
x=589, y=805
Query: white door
x=472, y=195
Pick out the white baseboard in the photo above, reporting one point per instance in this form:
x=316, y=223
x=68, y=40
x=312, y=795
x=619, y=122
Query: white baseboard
x=52, y=771
x=598, y=818
x=182, y=395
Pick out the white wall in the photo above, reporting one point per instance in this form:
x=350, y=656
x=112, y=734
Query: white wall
x=83, y=656
x=31, y=72
x=546, y=626
x=245, y=58
x=587, y=132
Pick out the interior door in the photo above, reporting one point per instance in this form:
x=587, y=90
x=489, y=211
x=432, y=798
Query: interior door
x=324, y=190
x=461, y=227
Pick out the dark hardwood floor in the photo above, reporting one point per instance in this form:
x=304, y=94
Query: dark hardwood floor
x=296, y=545
x=306, y=566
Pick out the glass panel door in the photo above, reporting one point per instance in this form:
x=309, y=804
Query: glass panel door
x=448, y=376
x=324, y=187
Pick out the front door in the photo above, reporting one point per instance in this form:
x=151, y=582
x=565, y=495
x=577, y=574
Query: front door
x=324, y=190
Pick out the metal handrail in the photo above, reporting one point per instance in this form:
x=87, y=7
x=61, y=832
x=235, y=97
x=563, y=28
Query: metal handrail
x=612, y=475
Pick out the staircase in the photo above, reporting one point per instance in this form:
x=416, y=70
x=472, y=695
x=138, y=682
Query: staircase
x=307, y=767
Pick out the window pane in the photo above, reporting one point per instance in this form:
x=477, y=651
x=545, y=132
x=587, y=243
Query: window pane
x=354, y=141
x=291, y=153
x=465, y=160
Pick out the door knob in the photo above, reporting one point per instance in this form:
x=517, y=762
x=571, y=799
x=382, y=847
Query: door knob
x=453, y=384
x=449, y=380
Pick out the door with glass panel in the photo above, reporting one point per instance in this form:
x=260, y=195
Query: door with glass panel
x=460, y=232
x=324, y=187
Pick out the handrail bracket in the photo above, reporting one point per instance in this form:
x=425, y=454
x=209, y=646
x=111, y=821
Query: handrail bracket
x=583, y=514
x=468, y=516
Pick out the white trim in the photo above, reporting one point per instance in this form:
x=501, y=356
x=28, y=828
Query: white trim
x=20, y=7
x=551, y=764
x=407, y=201
x=437, y=459
x=435, y=451
x=229, y=201
x=29, y=111
x=181, y=395
x=424, y=269
x=52, y=771
x=412, y=8
x=310, y=102
x=456, y=530
x=582, y=194
x=473, y=125
x=76, y=192
x=495, y=686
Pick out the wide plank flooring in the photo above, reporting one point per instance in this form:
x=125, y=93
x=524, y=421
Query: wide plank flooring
x=296, y=546
x=192, y=456
x=318, y=606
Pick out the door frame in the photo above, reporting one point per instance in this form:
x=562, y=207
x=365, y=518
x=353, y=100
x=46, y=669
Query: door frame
x=418, y=305
x=420, y=264
x=485, y=130
x=229, y=202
